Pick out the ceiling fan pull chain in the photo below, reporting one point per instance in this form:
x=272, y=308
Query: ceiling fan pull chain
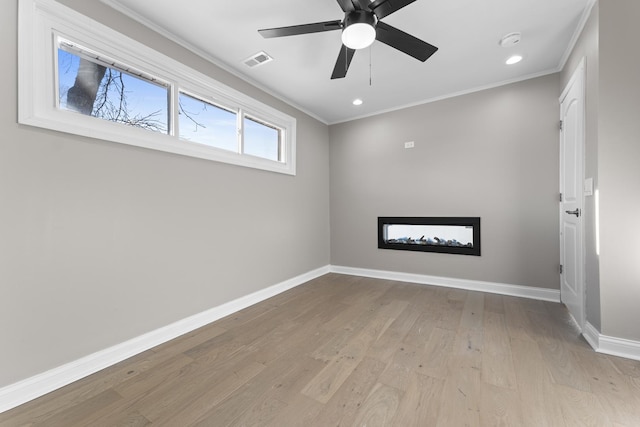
x=369, y=66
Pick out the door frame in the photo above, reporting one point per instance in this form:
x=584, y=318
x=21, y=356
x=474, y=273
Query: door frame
x=579, y=77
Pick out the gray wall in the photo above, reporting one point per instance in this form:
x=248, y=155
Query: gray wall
x=101, y=242
x=618, y=169
x=492, y=154
x=587, y=47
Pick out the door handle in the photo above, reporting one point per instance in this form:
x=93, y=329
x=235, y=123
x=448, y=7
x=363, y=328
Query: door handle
x=576, y=212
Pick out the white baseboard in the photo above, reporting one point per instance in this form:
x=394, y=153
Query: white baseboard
x=591, y=334
x=31, y=388
x=543, y=294
x=619, y=347
x=612, y=346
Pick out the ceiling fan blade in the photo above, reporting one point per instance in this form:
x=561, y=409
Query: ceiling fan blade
x=342, y=64
x=404, y=42
x=384, y=8
x=346, y=6
x=295, y=30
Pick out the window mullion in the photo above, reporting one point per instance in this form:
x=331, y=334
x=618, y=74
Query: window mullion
x=240, y=126
x=174, y=110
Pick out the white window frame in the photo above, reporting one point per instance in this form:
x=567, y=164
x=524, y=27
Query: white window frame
x=41, y=22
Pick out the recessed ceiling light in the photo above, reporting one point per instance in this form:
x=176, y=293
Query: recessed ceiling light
x=357, y=101
x=514, y=60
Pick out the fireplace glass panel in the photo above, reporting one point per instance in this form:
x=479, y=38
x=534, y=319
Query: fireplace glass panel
x=450, y=235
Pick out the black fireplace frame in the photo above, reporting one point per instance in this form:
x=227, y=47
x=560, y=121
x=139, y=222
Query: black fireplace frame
x=473, y=222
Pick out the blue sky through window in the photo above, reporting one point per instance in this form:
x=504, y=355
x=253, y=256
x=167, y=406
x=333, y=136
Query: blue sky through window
x=208, y=124
x=122, y=97
x=261, y=140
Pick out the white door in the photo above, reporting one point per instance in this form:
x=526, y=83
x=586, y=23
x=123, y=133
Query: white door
x=572, y=287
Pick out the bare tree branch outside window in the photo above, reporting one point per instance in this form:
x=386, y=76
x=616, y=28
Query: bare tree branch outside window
x=104, y=92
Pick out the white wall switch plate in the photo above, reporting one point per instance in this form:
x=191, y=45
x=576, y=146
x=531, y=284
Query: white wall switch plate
x=588, y=187
x=409, y=144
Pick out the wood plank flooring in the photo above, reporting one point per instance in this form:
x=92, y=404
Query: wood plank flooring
x=351, y=351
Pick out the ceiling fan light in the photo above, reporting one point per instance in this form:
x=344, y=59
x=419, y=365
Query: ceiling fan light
x=359, y=29
x=358, y=36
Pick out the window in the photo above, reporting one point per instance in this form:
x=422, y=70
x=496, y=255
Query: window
x=261, y=139
x=80, y=77
x=208, y=124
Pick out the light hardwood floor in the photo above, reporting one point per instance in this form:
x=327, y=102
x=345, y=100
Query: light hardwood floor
x=350, y=351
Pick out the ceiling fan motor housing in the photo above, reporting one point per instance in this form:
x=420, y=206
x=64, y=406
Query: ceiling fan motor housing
x=359, y=17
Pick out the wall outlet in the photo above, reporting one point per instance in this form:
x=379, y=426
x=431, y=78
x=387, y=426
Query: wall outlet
x=409, y=144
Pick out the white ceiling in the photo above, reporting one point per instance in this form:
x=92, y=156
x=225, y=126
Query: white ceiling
x=465, y=31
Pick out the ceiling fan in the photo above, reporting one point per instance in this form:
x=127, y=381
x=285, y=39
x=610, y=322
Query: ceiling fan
x=360, y=27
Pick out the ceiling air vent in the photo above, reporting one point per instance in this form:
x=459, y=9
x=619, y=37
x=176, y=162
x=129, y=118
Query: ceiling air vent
x=257, y=59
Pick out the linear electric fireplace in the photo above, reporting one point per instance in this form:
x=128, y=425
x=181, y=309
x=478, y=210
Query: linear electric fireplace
x=451, y=235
